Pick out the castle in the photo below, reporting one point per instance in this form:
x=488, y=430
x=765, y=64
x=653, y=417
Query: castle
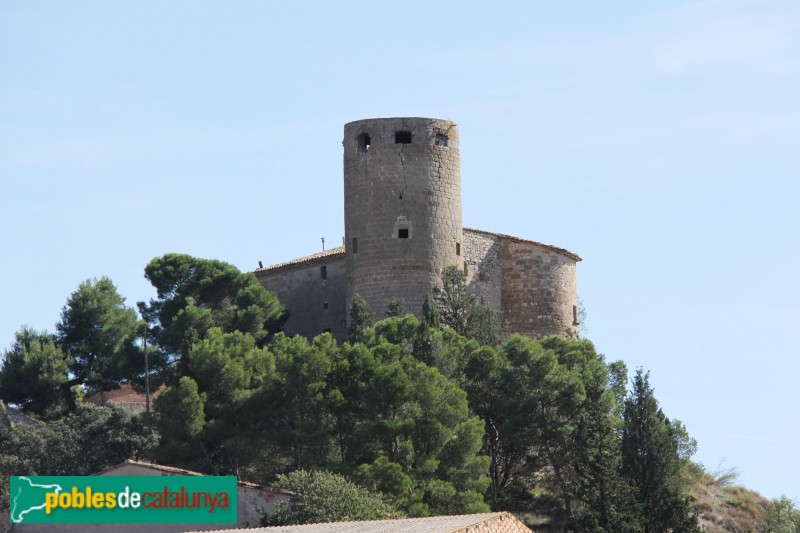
x=402, y=214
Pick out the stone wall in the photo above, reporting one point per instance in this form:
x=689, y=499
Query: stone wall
x=484, y=273
x=402, y=204
x=539, y=290
x=315, y=304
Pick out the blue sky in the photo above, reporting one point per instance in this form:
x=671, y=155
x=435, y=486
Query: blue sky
x=658, y=140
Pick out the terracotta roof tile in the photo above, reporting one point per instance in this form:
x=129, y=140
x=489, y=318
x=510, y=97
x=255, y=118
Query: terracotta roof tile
x=327, y=254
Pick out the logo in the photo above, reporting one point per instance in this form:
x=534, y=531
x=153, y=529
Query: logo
x=122, y=499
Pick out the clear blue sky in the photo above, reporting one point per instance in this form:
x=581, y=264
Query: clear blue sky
x=658, y=140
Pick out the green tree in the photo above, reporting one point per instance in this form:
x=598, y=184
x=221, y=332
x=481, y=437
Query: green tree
x=320, y=496
x=98, y=333
x=782, y=516
x=652, y=463
x=83, y=443
x=32, y=372
x=180, y=420
x=395, y=307
x=195, y=295
x=360, y=319
x=459, y=309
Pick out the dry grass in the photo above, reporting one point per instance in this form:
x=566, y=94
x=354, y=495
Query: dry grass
x=733, y=509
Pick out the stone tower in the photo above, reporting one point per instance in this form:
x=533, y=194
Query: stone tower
x=402, y=209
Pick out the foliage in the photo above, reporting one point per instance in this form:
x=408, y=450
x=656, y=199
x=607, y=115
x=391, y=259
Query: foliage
x=32, y=372
x=195, y=295
x=83, y=443
x=98, y=332
x=94, y=349
x=320, y=496
x=652, y=462
x=459, y=309
x=180, y=419
x=360, y=319
x=395, y=307
x=783, y=516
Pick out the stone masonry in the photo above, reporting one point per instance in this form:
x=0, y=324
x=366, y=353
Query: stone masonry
x=402, y=194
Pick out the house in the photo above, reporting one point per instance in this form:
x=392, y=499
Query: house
x=250, y=497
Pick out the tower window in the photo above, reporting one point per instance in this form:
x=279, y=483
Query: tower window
x=324, y=305
x=465, y=268
x=355, y=245
x=402, y=137
x=458, y=248
x=575, y=315
x=323, y=272
x=441, y=140
x=363, y=142
x=402, y=233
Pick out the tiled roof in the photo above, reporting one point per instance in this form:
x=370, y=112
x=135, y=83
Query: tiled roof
x=175, y=471
x=334, y=253
x=484, y=522
x=19, y=418
x=562, y=251
x=327, y=254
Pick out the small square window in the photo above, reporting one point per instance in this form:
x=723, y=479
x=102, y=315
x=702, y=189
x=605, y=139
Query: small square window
x=402, y=137
x=402, y=233
x=363, y=142
x=441, y=140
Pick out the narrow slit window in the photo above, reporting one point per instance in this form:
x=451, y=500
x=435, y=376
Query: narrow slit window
x=441, y=140
x=324, y=305
x=363, y=142
x=402, y=233
x=323, y=272
x=466, y=272
x=458, y=248
x=402, y=137
x=575, y=315
x=355, y=245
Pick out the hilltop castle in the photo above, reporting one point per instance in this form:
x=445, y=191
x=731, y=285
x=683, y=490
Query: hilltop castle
x=402, y=223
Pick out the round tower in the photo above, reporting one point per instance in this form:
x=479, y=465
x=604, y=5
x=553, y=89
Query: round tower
x=402, y=209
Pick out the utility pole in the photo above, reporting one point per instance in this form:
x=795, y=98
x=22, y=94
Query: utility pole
x=146, y=375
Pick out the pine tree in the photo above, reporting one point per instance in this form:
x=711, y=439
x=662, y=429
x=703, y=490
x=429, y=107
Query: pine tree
x=360, y=319
x=651, y=462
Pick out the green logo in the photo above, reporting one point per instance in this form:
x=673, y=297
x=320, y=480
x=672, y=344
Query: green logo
x=122, y=499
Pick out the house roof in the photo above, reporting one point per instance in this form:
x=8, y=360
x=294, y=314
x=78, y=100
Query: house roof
x=326, y=255
x=562, y=251
x=496, y=522
x=335, y=253
x=175, y=471
x=17, y=417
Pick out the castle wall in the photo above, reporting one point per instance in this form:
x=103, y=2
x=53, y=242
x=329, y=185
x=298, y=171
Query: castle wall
x=304, y=292
x=402, y=187
x=539, y=289
x=484, y=272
